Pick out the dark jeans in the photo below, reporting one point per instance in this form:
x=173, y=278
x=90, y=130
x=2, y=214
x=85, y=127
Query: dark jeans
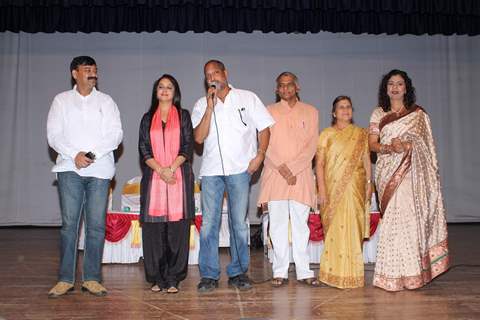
x=213, y=187
x=89, y=195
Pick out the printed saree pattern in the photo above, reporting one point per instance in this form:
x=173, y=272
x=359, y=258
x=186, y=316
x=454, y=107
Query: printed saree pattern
x=412, y=248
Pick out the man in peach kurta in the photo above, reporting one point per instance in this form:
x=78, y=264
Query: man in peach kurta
x=287, y=182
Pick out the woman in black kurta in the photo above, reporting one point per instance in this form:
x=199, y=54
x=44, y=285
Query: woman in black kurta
x=166, y=239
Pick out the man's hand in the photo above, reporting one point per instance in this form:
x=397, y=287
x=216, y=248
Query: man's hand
x=285, y=171
x=255, y=163
x=81, y=161
x=211, y=97
x=292, y=180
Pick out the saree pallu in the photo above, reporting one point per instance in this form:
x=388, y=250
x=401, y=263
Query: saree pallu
x=412, y=249
x=343, y=216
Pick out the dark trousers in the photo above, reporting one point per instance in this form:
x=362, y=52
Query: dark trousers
x=165, y=252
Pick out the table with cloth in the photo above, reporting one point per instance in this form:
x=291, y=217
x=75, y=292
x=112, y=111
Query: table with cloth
x=123, y=233
x=123, y=238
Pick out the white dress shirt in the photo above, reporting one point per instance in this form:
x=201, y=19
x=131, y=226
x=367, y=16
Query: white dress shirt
x=238, y=119
x=92, y=123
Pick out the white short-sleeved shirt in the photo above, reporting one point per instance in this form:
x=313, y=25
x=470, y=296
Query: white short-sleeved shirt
x=238, y=119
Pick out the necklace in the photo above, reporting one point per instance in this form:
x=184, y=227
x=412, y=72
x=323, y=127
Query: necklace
x=399, y=111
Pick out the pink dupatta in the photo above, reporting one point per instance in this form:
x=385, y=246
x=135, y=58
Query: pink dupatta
x=166, y=199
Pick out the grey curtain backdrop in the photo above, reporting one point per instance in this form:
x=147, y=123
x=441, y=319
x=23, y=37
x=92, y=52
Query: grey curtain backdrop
x=34, y=68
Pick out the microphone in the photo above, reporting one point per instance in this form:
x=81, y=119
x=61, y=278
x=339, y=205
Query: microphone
x=214, y=85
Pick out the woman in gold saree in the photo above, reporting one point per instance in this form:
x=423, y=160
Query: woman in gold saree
x=343, y=179
x=412, y=249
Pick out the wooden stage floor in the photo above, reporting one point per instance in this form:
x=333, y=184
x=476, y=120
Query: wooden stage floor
x=29, y=259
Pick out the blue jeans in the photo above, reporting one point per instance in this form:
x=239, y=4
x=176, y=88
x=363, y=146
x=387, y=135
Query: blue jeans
x=77, y=194
x=213, y=187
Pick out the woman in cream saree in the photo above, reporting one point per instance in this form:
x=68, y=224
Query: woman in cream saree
x=343, y=178
x=412, y=248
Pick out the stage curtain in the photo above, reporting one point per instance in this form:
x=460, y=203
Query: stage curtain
x=292, y=16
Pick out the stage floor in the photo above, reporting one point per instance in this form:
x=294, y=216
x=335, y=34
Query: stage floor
x=29, y=260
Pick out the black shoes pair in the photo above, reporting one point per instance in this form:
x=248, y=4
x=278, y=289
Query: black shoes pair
x=240, y=282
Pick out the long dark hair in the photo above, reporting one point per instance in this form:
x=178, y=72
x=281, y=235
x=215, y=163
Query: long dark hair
x=177, y=96
x=408, y=99
x=334, y=107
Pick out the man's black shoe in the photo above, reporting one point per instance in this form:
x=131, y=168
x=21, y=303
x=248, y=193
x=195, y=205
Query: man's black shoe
x=207, y=285
x=241, y=282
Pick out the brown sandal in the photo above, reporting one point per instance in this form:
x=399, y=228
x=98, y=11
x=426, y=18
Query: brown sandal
x=278, y=282
x=313, y=282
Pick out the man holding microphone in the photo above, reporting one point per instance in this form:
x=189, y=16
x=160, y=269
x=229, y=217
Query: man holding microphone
x=227, y=121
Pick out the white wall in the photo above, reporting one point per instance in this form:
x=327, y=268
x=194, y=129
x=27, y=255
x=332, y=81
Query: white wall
x=34, y=68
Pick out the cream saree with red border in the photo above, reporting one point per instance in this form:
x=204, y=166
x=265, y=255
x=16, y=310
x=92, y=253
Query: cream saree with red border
x=412, y=249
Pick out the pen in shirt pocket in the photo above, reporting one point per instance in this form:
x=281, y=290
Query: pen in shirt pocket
x=240, y=110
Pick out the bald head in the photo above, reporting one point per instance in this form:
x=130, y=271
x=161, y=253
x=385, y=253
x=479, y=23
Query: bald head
x=219, y=64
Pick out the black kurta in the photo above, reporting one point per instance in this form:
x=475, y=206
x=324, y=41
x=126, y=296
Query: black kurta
x=186, y=150
x=165, y=243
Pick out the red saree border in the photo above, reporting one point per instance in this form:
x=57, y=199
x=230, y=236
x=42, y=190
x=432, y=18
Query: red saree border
x=389, y=118
x=404, y=166
x=395, y=180
x=435, y=262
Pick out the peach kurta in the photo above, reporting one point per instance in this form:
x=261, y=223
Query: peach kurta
x=293, y=141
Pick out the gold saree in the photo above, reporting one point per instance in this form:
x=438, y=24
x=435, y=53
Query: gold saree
x=412, y=248
x=343, y=215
